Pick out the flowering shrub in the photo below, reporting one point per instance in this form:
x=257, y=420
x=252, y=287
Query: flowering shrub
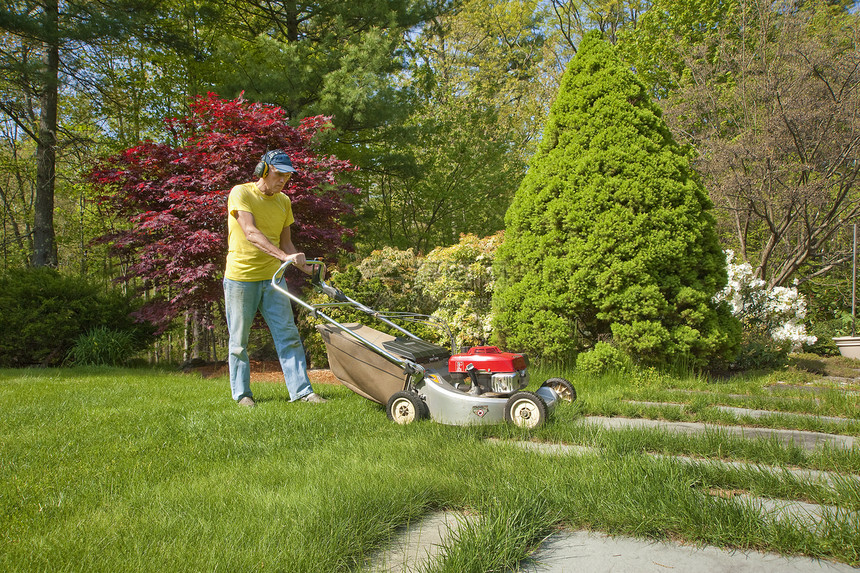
x=383, y=281
x=770, y=317
x=452, y=283
x=460, y=280
x=389, y=277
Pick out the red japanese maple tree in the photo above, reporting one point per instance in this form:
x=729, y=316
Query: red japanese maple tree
x=174, y=198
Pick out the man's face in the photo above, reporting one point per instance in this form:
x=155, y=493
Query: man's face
x=275, y=181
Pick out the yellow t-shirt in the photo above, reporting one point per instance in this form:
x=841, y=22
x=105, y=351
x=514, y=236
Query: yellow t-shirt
x=272, y=214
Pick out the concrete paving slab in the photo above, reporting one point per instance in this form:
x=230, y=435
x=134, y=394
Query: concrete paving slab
x=678, y=405
x=739, y=412
x=830, y=479
x=735, y=396
x=848, y=390
x=416, y=544
x=583, y=551
x=547, y=448
x=805, y=440
x=765, y=413
x=808, y=515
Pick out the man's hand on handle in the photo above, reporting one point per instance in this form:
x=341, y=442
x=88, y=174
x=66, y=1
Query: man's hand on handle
x=298, y=259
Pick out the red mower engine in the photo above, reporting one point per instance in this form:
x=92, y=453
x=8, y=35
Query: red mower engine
x=491, y=369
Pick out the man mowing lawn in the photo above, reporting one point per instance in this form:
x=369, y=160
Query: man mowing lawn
x=258, y=241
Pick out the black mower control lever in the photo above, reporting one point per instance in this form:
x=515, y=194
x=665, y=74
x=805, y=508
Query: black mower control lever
x=317, y=280
x=316, y=275
x=332, y=292
x=475, y=390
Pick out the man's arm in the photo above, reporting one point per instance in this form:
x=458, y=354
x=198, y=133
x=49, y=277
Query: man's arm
x=288, y=247
x=286, y=252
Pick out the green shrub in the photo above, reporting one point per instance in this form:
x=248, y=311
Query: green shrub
x=610, y=233
x=757, y=353
x=602, y=359
x=42, y=314
x=102, y=346
x=459, y=280
x=825, y=331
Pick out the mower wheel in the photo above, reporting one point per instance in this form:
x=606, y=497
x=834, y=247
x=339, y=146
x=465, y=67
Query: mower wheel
x=526, y=410
x=563, y=388
x=406, y=407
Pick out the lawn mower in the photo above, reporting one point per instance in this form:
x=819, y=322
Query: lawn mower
x=415, y=379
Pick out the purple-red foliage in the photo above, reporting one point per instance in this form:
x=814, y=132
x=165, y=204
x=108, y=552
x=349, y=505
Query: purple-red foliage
x=175, y=198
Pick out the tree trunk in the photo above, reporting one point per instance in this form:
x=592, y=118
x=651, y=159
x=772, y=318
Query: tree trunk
x=199, y=345
x=292, y=22
x=186, y=344
x=44, y=244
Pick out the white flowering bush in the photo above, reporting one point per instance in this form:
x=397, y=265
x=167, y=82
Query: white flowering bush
x=770, y=317
x=460, y=280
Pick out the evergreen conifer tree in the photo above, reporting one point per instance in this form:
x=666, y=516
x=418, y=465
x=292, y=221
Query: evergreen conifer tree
x=610, y=234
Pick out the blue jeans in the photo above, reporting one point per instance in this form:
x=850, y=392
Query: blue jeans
x=242, y=300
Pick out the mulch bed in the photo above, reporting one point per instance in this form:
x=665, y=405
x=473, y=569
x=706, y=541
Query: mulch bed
x=262, y=371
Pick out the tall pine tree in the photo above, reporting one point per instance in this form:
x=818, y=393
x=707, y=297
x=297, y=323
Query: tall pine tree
x=610, y=235
x=43, y=41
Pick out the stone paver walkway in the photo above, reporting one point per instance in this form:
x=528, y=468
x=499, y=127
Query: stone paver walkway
x=583, y=551
x=590, y=552
x=740, y=412
x=805, y=440
x=815, y=476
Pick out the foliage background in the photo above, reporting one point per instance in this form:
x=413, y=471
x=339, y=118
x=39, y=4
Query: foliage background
x=440, y=105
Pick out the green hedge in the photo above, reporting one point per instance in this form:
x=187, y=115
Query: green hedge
x=43, y=313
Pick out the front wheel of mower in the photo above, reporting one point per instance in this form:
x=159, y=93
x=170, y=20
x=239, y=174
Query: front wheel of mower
x=563, y=388
x=405, y=407
x=526, y=410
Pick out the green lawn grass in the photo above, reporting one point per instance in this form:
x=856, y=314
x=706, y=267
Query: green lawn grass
x=140, y=470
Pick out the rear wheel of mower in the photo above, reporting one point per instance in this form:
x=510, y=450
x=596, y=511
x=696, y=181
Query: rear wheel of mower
x=405, y=407
x=563, y=388
x=526, y=410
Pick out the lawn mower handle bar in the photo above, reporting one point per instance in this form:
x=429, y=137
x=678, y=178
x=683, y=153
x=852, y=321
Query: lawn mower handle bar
x=334, y=293
x=318, y=280
x=412, y=369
